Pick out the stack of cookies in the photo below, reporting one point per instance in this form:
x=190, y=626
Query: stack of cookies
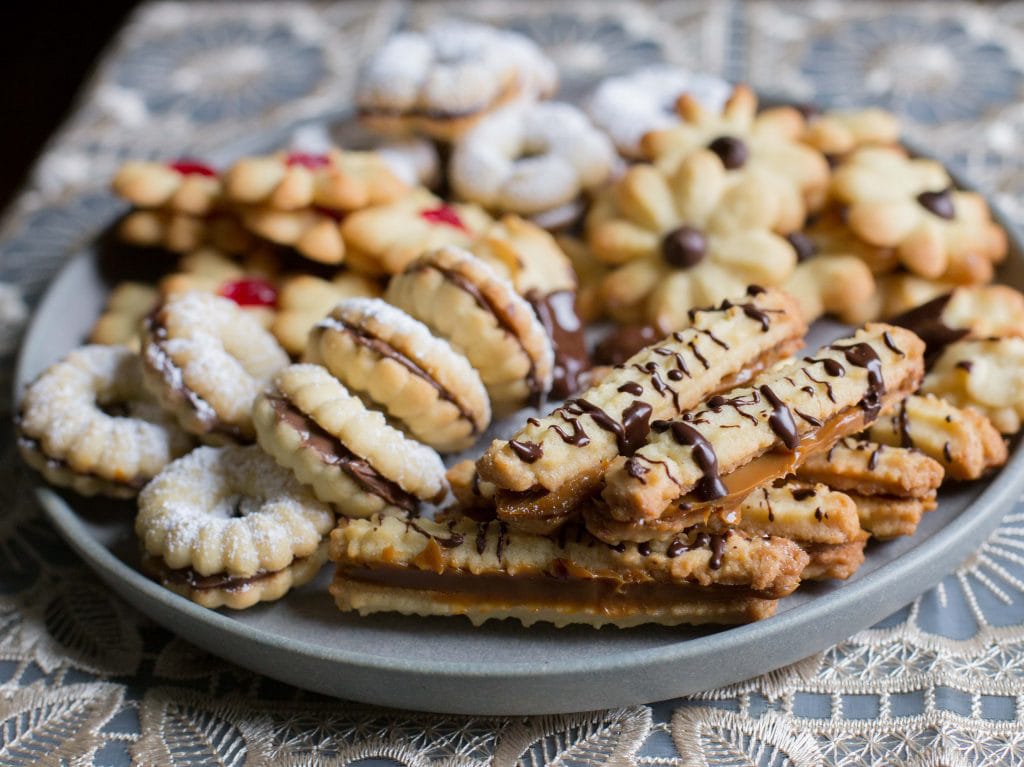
x=340, y=328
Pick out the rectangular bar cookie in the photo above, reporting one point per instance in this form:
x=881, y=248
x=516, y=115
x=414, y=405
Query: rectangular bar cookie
x=553, y=463
x=711, y=458
x=486, y=570
x=868, y=468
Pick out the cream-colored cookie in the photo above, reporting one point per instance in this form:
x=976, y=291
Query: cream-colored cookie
x=121, y=321
x=184, y=186
x=304, y=300
x=227, y=526
x=206, y=359
x=336, y=180
x=483, y=570
x=870, y=468
x=984, y=374
x=349, y=455
x=831, y=284
x=838, y=133
x=961, y=439
x=313, y=232
x=88, y=423
x=463, y=300
x=393, y=362
x=887, y=518
x=184, y=232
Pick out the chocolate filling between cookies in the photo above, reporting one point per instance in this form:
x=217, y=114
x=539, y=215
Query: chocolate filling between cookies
x=30, y=443
x=364, y=338
x=332, y=451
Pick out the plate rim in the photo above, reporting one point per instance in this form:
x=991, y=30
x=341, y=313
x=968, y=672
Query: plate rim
x=873, y=593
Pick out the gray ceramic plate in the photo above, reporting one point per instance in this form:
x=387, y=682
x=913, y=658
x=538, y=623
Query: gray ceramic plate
x=446, y=665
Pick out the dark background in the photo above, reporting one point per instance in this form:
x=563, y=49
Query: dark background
x=47, y=54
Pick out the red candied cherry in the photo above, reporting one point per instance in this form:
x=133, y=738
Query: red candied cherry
x=189, y=167
x=306, y=160
x=444, y=215
x=250, y=291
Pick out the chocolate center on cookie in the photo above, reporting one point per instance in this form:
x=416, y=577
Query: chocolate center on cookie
x=731, y=151
x=939, y=203
x=802, y=244
x=684, y=247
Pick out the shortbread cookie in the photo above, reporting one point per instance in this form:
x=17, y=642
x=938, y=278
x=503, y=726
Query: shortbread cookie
x=628, y=106
x=182, y=186
x=348, y=454
x=473, y=496
x=121, y=321
x=184, y=232
x=838, y=133
x=870, y=468
x=986, y=375
x=886, y=517
x=711, y=458
x=978, y=311
x=304, y=300
x=530, y=158
x=226, y=526
x=461, y=299
x=590, y=275
x=831, y=284
x=313, y=232
x=386, y=238
x=748, y=141
x=393, y=362
x=823, y=522
x=689, y=238
x=552, y=464
x=251, y=282
x=484, y=570
x=526, y=255
x=827, y=233
x=88, y=423
x=206, y=359
x=441, y=81
x=911, y=205
x=963, y=440
x=335, y=180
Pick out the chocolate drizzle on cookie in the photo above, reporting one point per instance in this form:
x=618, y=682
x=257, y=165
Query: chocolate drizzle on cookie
x=630, y=433
x=926, y=321
x=710, y=485
x=623, y=342
x=781, y=419
x=862, y=355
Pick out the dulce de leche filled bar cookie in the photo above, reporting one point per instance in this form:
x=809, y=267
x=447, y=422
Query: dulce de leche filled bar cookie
x=553, y=463
x=711, y=458
x=485, y=570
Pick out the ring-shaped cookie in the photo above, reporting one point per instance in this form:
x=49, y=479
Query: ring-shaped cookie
x=88, y=423
x=348, y=454
x=206, y=359
x=227, y=525
x=426, y=387
x=463, y=300
x=530, y=158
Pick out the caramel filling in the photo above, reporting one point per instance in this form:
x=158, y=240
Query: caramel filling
x=775, y=464
x=601, y=595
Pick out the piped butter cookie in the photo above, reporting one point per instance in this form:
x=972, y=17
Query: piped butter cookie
x=206, y=359
x=392, y=360
x=463, y=300
x=88, y=423
x=304, y=300
x=228, y=527
x=182, y=186
x=349, y=455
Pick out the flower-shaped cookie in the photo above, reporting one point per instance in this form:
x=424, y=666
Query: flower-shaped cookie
x=687, y=238
x=910, y=204
x=767, y=142
x=839, y=133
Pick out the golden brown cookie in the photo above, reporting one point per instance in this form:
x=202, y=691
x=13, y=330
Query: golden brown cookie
x=304, y=300
x=121, y=321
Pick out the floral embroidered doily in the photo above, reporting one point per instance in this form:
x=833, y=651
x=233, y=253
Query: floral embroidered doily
x=85, y=680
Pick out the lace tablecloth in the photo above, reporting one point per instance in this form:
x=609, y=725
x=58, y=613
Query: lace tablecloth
x=85, y=680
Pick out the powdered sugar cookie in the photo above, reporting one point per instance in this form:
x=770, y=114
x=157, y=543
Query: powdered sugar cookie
x=335, y=180
x=629, y=106
x=305, y=299
x=311, y=424
x=461, y=299
x=422, y=384
x=206, y=359
x=88, y=423
x=530, y=158
x=228, y=527
x=441, y=81
x=386, y=238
